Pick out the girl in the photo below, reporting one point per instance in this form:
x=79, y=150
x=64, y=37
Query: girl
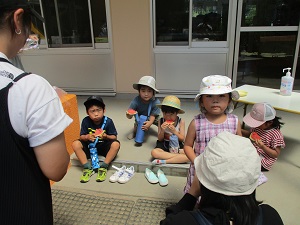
x=171, y=131
x=215, y=102
x=263, y=120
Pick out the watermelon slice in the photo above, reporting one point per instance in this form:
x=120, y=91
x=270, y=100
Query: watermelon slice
x=169, y=122
x=99, y=132
x=131, y=111
x=254, y=136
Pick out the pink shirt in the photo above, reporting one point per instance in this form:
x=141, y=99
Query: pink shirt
x=205, y=130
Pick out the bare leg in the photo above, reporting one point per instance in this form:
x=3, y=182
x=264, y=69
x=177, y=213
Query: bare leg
x=158, y=153
x=78, y=149
x=132, y=135
x=113, y=151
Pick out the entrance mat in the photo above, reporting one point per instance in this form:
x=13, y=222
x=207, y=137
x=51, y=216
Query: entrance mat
x=70, y=208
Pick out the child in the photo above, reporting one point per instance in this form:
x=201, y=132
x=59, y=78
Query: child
x=107, y=146
x=145, y=103
x=215, y=101
x=263, y=120
x=171, y=133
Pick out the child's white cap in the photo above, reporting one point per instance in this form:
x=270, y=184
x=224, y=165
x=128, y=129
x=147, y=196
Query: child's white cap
x=147, y=81
x=215, y=85
x=260, y=113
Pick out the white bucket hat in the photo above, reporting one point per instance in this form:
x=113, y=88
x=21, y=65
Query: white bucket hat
x=147, y=81
x=215, y=85
x=260, y=113
x=229, y=165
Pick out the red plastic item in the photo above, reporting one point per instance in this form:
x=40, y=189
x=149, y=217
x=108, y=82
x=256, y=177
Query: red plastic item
x=254, y=136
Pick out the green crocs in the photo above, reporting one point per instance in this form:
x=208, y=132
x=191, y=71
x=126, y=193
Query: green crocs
x=101, y=176
x=87, y=173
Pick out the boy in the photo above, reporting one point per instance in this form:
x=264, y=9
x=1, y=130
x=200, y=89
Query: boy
x=145, y=103
x=171, y=133
x=107, y=146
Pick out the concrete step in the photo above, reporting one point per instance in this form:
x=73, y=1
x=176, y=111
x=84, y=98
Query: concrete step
x=180, y=170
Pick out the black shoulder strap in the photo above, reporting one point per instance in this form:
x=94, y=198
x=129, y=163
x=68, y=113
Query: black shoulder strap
x=18, y=78
x=5, y=60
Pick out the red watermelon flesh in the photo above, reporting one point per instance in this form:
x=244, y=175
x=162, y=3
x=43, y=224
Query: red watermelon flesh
x=169, y=121
x=131, y=111
x=99, y=132
x=254, y=136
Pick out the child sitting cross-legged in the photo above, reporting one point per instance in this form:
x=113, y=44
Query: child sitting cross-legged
x=171, y=133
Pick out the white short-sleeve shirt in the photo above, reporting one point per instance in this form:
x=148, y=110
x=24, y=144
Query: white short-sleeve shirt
x=34, y=107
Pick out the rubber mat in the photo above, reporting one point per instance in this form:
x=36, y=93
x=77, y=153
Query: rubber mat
x=70, y=208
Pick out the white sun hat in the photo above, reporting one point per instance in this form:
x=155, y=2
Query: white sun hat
x=229, y=165
x=147, y=81
x=215, y=85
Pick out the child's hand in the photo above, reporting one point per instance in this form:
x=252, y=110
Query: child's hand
x=164, y=126
x=91, y=137
x=146, y=125
x=259, y=143
x=172, y=128
x=128, y=115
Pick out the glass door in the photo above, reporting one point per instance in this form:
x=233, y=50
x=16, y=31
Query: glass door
x=267, y=41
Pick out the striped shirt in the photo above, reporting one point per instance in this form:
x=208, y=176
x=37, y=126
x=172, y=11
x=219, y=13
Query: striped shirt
x=271, y=138
x=205, y=130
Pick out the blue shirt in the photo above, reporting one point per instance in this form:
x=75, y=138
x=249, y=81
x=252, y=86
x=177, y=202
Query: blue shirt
x=142, y=108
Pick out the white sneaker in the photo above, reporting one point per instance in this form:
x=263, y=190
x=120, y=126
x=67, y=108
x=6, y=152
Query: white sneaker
x=127, y=175
x=114, y=178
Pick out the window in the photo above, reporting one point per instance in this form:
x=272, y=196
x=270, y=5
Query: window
x=72, y=23
x=268, y=40
x=209, y=21
x=270, y=13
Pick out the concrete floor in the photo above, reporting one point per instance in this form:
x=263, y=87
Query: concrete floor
x=281, y=190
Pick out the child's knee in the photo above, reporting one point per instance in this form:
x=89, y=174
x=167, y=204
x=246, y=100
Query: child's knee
x=77, y=146
x=115, y=145
x=155, y=153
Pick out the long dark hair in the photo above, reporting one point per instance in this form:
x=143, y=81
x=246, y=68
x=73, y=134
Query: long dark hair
x=242, y=210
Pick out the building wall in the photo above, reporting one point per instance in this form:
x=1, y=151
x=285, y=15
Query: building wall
x=102, y=71
x=132, y=51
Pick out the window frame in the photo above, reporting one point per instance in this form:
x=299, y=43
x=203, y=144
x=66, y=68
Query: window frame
x=94, y=45
x=193, y=44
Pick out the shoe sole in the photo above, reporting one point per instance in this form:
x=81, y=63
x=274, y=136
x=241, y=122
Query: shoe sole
x=163, y=184
x=98, y=180
x=83, y=181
